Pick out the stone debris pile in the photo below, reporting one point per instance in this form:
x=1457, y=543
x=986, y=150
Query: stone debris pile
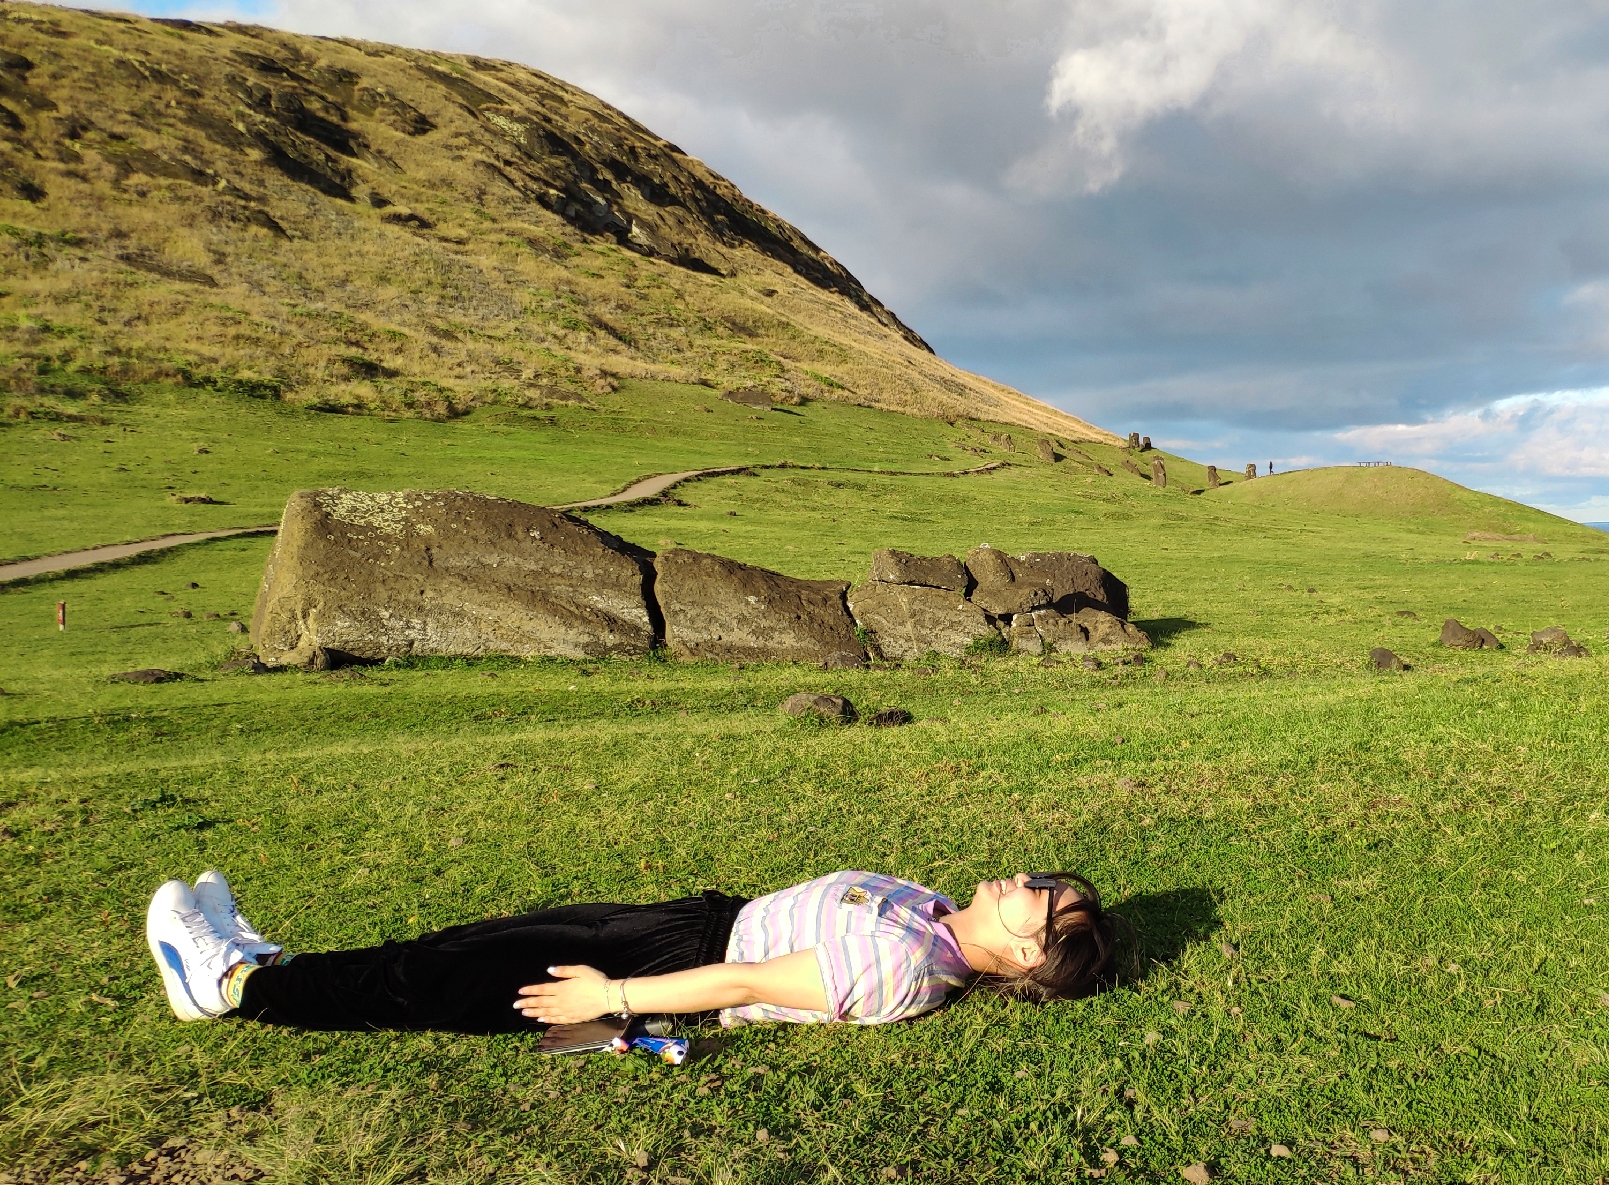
x=370, y=576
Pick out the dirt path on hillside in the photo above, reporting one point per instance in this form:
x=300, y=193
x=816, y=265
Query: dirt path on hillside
x=652, y=487
x=637, y=491
x=116, y=551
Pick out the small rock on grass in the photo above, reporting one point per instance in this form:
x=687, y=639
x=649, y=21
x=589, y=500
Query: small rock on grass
x=1090, y=663
x=237, y=627
x=1130, y=1141
x=1196, y=1174
x=1343, y=1002
x=830, y=707
x=1241, y=1126
x=1181, y=1006
x=1379, y=1135
x=1386, y=660
x=249, y=666
x=890, y=718
x=148, y=675
x=1279, y=1152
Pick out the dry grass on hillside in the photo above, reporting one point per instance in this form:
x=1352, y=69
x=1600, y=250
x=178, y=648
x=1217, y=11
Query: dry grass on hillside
x=360, y=227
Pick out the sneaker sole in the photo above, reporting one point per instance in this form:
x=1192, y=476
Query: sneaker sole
x=168, y=962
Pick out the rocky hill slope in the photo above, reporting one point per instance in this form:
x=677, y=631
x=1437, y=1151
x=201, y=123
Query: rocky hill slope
x=360, y=227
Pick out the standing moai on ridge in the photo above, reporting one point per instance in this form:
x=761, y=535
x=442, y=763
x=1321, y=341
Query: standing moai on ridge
x=1145, y=444
x=1134, y=440
x=1212, y=477
x=1251, y=470
x=1159, y=473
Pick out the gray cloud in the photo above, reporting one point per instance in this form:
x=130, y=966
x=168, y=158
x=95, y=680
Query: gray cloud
x=1269, y=215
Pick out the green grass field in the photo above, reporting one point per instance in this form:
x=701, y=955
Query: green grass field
x=1375, y=906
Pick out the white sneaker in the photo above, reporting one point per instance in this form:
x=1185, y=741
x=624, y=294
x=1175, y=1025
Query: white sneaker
x=191, y=955
x=214, y=899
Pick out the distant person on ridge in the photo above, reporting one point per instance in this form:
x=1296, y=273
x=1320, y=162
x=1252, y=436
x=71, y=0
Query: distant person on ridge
x=857, y=947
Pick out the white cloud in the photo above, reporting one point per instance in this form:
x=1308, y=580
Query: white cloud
x=1562, y=434
x=1131, y=62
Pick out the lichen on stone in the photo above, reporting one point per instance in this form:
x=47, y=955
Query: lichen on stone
x=388, y=512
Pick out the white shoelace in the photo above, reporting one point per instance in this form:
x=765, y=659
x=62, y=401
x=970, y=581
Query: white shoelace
x=198, y=929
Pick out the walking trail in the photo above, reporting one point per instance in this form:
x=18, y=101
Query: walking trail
x=637, y=491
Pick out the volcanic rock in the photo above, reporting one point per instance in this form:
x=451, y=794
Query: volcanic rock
x=148, y=675
x=383, y=575
x=1554, y=640
x=901, y=567
x=1073, y=581
x=1046, y=450
x=1212, y=477
x=806, y=703
x=1386, y=660
x=1022, y=637
x=1107, y=631
x=906, y=621
x=1159, y=473
x=890, y=718
x=1457, y=636
x=1063, y=580
x=716, y=608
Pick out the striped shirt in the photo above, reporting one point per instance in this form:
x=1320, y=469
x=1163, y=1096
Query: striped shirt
x=882, y=951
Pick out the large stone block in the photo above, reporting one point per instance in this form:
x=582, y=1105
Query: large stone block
x=1107, y=631
x=905, y=621
x=995, y=589
x=1086, y=630
x=901, y=567
x=716, y=608
x=1067, y=581
x=442, y=572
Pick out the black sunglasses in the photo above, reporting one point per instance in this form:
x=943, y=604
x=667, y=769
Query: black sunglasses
x=1089, y=899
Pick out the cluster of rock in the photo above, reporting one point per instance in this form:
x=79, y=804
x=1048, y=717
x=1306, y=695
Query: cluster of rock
x=1552, y=640
x=1457, y=636
x=370, y=576
x=1039, y=602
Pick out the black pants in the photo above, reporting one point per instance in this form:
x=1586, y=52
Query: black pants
x=466, y=979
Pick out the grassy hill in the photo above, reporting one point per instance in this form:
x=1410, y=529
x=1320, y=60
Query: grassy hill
x=1287, y=828
x=354, y=226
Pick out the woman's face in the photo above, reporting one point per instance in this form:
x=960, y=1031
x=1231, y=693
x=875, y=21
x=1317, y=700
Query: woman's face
x=1009, y=918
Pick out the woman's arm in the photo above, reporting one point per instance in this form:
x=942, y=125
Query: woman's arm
x=581, y=993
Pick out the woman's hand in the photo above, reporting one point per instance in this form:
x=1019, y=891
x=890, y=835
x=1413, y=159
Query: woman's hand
x=577, y=994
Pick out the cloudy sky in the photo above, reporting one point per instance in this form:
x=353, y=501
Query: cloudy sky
x=1304, y=231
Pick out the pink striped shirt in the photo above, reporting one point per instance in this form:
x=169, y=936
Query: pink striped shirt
x=882, y=951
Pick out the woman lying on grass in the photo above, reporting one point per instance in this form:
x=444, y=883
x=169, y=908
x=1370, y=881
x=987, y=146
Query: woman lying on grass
x=852, y=946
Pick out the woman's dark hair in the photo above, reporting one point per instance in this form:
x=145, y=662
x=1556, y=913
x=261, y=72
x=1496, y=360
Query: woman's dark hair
x=1087, y=949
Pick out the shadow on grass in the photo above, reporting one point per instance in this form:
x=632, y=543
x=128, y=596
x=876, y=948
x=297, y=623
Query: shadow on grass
x=1163, y=630
x=1168, y=922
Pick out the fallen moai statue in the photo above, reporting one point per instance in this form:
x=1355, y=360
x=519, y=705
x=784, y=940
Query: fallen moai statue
x=905, y=621
x=716, y=608
x=441, y=572
x=370, y=576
